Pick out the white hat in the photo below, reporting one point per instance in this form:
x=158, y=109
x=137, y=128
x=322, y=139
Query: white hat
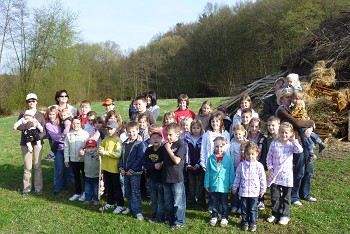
x=29, y=112
x=293, y=76
x=31, y=96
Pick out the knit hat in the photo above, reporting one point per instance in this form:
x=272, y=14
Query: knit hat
x=112, y=124
x=293, y=76
x=281, y=93
x=31, y=96
x=108, y=102
x=90, y=143
x=29, y=112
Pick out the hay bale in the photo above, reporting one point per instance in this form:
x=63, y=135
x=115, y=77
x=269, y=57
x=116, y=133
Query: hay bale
x=321, y=75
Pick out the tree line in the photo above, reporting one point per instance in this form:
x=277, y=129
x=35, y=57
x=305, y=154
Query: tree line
x=227, y=46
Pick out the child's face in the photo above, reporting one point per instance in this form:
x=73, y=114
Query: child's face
x=91, y=119
x=141, y=106
x=168, y=120
x=76, y=124
x=132, y=133
x=172, y=135
x=215, y=124
x=186, y=126
x=28, y=117
x=113, y=118
x=64, y=115
x=156, y=139
x=296, y=101
x=182, y=105
x=109, y=107
x=143, y=124
x=238, y=135
x=244, y=104
x=111, y=131
x=91, y=149
x=272, y=127
x=219, y=147
x=196, y=130
x=254, y=127
x=285, y=134
x=85, y=108
x=206, y=109
x=246, y=118
x=251, y=155
x=149, y=101
x=52, y=116
x=97, y=125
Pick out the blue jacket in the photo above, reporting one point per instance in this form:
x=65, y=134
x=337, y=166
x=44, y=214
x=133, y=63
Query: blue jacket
x=133, y=162
x=193, y=150
x=219, y=180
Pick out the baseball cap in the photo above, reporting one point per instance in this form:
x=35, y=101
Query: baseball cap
x=156, y=132
x=108, y=101
x=112, y=124
x=90, y=143
x=31, y=96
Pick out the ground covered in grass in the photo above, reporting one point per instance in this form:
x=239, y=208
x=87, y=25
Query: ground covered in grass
x=55, y=214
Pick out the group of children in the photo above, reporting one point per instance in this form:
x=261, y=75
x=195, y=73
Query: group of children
x=183, y=159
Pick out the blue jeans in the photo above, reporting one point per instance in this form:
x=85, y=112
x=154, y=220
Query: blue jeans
x=219, y=200
x=175, y=203
x=235, y=201
x=302, y=172
x=60, y=173
x=307, y=143
x=91, y=189
x=157, y=200
x=133, y=193
x=249, y=210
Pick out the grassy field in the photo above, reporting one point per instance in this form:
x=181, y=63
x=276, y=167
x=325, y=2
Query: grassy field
x=55, y=214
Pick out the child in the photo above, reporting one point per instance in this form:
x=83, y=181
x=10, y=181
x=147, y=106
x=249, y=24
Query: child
x=299, y=112
x=144, y=128
x=280, y=165
x=215, y=128
x=245, y=103
x=91, y=169
x=251, y=181
x=66, y=122
x=108, y=104
x=193, y=142
x=74, y=141
x=141, y=107
x=183, y=111
x=204, y=114
x=185, y=127
x=218, y=181
x=130, y=166
x=273, y=124
x=85, y=107
x=227, y=119
x=246, y=116
x=153, y=162
x=110, y=149
x=293, y=81
x=31, y=133
x=169, y=117
x=239, y=138
x=89, y=125
x=173, y=178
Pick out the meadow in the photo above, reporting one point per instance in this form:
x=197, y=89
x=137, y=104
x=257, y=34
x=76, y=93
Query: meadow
x=55, y=214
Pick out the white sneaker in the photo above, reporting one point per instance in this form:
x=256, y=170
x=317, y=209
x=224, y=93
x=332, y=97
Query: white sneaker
x=271, y=219
x=311, y=199
x=297, y=203
x=223, y=222
x=126, y=211
x=118, y=210
x=261, y=206
x=213, y=221
x=106, y=207
x=139, y=216
x=284, y=221
x=82, y=197
x=74, y=197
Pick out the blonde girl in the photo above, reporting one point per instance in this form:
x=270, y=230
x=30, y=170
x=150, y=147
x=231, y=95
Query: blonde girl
x=293, y=81
x=204, y=113
x=193, y=142
x=169, y=117
x=185, y=126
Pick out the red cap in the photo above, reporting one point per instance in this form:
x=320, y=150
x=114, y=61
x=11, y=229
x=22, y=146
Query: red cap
x=90, y=143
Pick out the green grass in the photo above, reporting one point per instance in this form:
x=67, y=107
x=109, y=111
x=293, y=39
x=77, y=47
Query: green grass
x=49, y=214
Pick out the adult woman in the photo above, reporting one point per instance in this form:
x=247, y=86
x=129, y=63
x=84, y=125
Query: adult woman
x=302, y=170
x=57, y=147
x=32, y=101
x=152, y=106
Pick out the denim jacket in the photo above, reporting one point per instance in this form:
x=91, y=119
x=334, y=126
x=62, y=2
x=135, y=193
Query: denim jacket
x=133, y=163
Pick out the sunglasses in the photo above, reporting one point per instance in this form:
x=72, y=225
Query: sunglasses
x=63, y=96
x=29, y=101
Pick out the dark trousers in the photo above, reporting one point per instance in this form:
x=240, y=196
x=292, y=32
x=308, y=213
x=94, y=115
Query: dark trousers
x=78, y=172
x=220, y=200
x=113, y=188
x=196, y=187
x=280, y=200
x=249, y=209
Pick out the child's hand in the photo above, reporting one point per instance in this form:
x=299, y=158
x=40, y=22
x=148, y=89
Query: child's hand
x=122, y=172
x=59, y=135
x=261, y=194
x=66, y=164
x=207, y=189
x=101, y=151
x=158, y=166
x=234, y=191
x=128, y=173
x=167, y=146
x=81, y=152
x=270, y=170
x=292, y=136
x=204, y=168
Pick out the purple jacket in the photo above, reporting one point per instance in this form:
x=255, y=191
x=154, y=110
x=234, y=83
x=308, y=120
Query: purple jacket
x=53, y=130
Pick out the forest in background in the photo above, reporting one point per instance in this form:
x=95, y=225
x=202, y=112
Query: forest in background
x=229, y=45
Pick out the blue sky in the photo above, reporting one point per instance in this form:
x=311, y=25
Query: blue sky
x=131, y=23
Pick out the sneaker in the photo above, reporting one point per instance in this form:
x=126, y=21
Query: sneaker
x=297, y=203
x=126, y=211
x=38, y=192
x=74, y=197
x=224, y=222
x=234, y=210
x=213, y=221
x=321, y=147
x=139, y=216
x=271, y=219
x=50, y=156
x=118, y=210
x=106, y=207
x=82, y=197
x=252, y=228
x=245, y=227
x=176, y=226
x=96, y=203
x=311, y=199
x=261, y=206
x=284, y=221
x=25, y=192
